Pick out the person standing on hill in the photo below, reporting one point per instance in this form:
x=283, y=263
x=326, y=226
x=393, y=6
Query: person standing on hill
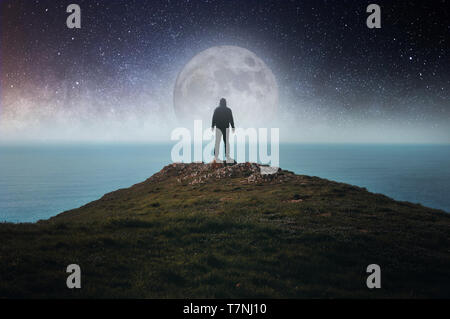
x=222, y=119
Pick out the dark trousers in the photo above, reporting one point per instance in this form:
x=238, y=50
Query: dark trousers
x=222, y=133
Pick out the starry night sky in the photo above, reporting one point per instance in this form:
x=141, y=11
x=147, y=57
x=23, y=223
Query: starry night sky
x=337, y=79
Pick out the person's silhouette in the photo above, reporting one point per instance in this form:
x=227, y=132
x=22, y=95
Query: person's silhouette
x=222, y=119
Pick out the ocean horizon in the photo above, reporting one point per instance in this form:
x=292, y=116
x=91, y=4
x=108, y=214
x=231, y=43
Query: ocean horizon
x=41, y=181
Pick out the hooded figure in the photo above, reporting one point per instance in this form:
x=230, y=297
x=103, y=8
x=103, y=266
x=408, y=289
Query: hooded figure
x=222, y=119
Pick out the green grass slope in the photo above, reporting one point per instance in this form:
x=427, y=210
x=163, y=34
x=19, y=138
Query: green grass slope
x=201, y=231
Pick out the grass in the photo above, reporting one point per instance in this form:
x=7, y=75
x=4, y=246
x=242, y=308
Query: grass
x=305, y=238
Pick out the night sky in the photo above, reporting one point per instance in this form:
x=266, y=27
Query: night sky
x=113, y=79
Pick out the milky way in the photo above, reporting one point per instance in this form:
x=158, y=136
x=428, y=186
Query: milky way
x=113, y=78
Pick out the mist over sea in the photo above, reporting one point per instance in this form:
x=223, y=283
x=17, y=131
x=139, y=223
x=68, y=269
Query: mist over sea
x=40, y=181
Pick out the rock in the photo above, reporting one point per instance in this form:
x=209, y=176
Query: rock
x=199, y=173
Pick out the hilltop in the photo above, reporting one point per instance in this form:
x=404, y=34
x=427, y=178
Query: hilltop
x=214, y=231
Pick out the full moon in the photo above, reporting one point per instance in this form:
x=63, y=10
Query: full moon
x=231, y=72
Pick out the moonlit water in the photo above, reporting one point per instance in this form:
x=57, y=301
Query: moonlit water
x=37, y=182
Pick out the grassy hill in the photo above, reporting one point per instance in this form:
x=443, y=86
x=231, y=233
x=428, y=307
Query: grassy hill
x=207, y=231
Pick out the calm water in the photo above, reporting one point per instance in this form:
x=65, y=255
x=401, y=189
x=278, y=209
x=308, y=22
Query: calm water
x=37, y=182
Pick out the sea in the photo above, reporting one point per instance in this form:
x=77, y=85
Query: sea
x=40, y=181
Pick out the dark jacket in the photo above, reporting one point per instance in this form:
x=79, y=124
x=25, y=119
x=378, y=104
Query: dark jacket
x=222, y=118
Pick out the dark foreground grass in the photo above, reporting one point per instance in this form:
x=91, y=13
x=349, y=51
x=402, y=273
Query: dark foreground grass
x=304, y=238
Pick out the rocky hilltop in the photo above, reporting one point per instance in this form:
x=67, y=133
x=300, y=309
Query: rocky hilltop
x=201, y=173
x=218, y=231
